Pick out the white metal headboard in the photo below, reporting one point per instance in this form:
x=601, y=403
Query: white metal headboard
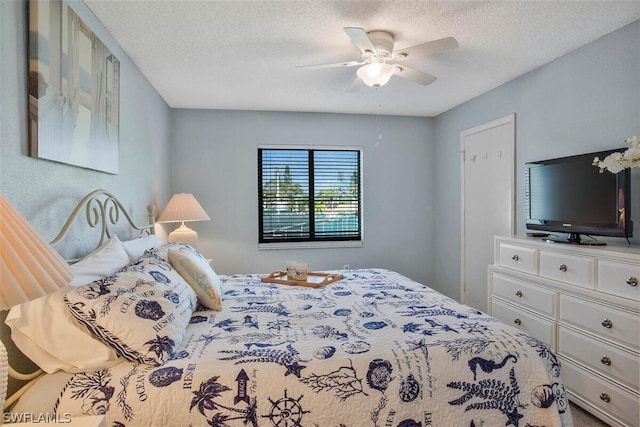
x=102, y=210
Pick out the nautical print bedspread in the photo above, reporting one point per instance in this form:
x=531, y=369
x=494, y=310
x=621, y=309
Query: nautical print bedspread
x=373, y=349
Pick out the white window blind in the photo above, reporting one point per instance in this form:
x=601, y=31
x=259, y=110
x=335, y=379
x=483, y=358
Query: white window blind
x=307, y=195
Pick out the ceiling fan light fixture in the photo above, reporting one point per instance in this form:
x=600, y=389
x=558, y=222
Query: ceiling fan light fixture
x=376, y=74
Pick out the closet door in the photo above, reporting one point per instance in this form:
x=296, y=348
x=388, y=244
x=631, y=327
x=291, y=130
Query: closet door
x=487, y=201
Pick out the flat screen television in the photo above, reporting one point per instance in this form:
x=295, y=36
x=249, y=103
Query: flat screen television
x=570, y=195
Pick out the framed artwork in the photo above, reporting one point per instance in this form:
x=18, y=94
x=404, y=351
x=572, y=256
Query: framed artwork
x=73, y=90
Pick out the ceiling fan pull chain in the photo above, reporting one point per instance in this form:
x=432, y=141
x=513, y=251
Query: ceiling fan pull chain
x=379, y=123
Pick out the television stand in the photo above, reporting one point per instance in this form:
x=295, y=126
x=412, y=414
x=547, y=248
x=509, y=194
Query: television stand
x=574, y=239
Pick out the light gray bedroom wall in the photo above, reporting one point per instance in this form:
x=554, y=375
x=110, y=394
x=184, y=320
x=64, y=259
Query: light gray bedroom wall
x=585, y=101
x=214, y=156
x=44, y=191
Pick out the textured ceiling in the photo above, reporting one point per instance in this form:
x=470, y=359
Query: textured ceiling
x=242, y=55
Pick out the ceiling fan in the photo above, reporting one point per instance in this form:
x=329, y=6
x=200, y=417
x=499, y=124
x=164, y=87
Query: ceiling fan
x=380, y=62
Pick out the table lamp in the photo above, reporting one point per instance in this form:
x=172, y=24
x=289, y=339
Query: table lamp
x=183, y=207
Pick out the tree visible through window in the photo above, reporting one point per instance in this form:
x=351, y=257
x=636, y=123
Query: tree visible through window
x=307, y=195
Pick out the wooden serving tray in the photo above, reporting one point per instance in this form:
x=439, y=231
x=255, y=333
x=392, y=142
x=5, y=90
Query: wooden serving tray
x=314, y=280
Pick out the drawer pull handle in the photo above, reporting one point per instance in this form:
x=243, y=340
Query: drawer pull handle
x=632, y=281
x=518, y=322
x=605, y=397
x=515, y=257
x=519, y=293
x=605, y=360
x=563, y=268
x=607, y=323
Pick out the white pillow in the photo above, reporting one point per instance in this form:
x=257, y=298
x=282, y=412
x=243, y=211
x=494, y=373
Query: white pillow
x=135, y=248
x=141, y=312
x=199, y=275
x=46, y=332
x=104, y=261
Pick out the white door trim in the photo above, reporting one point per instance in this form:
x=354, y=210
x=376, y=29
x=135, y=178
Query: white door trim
x=506, y=120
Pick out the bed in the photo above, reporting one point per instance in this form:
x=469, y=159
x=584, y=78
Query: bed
x=171, y=343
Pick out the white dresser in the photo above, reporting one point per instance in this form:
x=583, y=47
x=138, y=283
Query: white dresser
x=584, y=302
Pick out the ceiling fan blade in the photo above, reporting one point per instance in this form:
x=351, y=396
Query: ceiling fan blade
x=414, y=75
x=428, y=48
x=333, y=65
x=360, y=38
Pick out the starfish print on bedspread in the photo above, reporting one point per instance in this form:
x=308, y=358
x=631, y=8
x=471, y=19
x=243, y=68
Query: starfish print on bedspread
x=287, y=358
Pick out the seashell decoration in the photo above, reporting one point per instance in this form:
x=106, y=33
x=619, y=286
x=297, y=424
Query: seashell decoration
x=324, y=352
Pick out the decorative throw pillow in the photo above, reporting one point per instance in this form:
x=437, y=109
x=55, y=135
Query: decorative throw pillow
x=140, y=312
x=199, y=275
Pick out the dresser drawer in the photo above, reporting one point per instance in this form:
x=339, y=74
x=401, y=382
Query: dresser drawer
x=608, y=322
x=531, y=324
x=609, y=361
x=576, y=270
x=519, y=258
x=536, y=298
x=619, y=279
x=615, y=401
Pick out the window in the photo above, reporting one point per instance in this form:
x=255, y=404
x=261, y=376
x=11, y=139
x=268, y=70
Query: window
x=309, y=195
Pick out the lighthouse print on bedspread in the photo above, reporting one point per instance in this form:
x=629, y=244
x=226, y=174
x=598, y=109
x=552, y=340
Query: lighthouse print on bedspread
x=373, y=349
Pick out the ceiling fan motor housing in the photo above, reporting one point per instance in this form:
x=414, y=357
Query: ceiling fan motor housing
x=383, y=42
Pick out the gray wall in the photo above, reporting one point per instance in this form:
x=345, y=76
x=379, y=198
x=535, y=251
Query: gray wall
x=214, y=156
x=586, y=101
x=44, y=191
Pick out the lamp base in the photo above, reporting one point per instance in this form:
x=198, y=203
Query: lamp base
x=185, y=235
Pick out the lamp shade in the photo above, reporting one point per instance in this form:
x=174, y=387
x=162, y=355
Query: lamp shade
x=29, y=266
x=376, y=74
x=183, y=207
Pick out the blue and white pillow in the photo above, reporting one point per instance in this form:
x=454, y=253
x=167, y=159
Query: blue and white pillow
x=199, y=274
x=141, y=312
